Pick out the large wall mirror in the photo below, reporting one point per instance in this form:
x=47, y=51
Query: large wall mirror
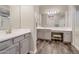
x=4, y=16
x=53, y=15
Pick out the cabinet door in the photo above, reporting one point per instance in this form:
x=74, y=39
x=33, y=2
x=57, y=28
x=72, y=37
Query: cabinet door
x=44, y=34
x=14, y=49
x=67, y=37
x=24, y=46
x=5, y=44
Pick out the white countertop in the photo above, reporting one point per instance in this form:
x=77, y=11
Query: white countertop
x=56, y=28
x=14, y=33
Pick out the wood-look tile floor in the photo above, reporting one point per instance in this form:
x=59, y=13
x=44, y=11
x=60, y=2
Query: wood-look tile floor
x=54, y=47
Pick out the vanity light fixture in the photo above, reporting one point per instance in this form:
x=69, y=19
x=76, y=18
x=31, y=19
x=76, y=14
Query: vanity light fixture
x=52, y=12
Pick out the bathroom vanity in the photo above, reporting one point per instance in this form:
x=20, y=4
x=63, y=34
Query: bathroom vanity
x=45, y=33
x=16, y=42
x=55, y=20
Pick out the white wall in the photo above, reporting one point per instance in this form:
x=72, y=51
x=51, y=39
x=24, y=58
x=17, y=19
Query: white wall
x=15, y=16
x=23, y=17
x=70, y=16
x=43, y=20
x=74, y=17
x=75, y=41
x=28, y=21
x=37, y=16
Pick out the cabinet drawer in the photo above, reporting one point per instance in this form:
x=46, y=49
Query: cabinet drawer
x=27, y=35
x=18, y=38
x=14, y=49
x=5, y=44
x=44, y=34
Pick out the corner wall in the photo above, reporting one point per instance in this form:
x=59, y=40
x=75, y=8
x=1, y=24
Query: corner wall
x=75, y=41
x=22, y=16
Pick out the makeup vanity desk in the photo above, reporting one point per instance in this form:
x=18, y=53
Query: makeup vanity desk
x=45, y=33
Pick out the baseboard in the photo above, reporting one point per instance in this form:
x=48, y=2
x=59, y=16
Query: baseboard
x=33, y=52
x=44, y=39
x=76, y=47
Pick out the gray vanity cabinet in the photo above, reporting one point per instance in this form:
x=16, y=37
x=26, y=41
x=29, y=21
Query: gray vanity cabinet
x=16, y=45
x=14, y=49
x=5, y=44
x=44, y=34
x=24, y=44
x=67, y=37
